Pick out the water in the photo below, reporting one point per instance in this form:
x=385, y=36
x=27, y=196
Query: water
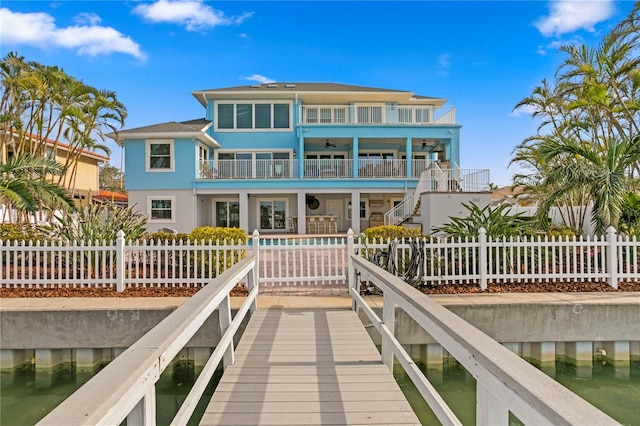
x=618, y=395
x=611, y=390
x=25, y=402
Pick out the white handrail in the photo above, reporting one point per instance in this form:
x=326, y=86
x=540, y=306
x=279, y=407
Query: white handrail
x=126, y=387
x=505, y=382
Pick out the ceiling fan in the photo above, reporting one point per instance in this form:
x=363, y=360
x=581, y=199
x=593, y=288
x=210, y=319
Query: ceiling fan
x=328, y=144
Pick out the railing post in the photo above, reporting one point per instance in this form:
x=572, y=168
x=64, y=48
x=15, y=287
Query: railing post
x=120, y=261
x=490, y=410
x=482, y=258
x=144, y=413
x=351, y=273
x=389, y=320
x=612, y=257
x=253, y=279
x=224, y=317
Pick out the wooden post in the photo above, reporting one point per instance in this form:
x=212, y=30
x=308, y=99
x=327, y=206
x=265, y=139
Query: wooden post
x=224, y=314
x=351, y=273
x=144, y=413
x=490, y=410
x=389, y=320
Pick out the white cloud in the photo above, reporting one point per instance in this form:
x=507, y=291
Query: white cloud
x=555, y=45
x=87, y=19
x=523, y=110
x=567, y=16
x=443, y=60
x=87, y=38
x=194, y=14
x=259, y=78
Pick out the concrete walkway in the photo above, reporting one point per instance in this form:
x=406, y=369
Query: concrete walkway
x=320, y=301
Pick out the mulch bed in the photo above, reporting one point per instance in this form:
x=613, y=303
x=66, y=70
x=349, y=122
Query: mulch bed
x=62, y=291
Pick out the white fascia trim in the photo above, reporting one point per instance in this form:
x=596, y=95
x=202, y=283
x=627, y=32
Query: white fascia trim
x=202, y=137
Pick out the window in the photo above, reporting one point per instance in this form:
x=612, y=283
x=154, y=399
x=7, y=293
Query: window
x=159, y=155
x=225, y=116
x=161, y=209
x=363, y=210
x=253, y=116
x=244, y=116
x=263, y=116
x=281, y=116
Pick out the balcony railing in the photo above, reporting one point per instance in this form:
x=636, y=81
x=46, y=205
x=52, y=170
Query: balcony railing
x=376, y=114
x=313, y=169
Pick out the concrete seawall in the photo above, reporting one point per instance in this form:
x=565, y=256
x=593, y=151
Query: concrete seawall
x=539, y=326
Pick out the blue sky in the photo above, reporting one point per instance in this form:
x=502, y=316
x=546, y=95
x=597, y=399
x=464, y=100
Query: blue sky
x=483, y=57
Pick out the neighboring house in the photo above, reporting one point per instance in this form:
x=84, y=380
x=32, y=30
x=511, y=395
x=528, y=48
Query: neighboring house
x=85, y=185
x=111, y=197
x=275, y=156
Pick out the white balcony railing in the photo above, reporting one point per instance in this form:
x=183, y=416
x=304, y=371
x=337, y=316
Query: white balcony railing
x=376, y=114
x=340, y=169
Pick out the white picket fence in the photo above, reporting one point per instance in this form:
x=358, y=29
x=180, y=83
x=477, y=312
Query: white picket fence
x=122, y=264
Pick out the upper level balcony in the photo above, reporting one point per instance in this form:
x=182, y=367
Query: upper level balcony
x=312, y=169
x=376, y=114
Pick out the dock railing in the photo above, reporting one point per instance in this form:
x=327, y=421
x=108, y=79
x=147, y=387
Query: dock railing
x=505, y=382
x=125, y=389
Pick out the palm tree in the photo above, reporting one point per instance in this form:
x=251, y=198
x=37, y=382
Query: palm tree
x=24, y=187
x=602, y=172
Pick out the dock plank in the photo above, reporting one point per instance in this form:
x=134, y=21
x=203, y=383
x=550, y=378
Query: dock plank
x=307, y=367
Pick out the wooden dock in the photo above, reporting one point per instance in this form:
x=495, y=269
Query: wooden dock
x=307, y=367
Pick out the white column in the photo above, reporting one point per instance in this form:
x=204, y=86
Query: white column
x=302, y=213
x=355, y=212
x=243, y=204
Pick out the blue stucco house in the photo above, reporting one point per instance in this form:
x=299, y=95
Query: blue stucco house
x=278, y=157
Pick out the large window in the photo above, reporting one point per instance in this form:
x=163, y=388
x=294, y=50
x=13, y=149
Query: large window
x=161, y=209
x=159, y=155
x=253, y=116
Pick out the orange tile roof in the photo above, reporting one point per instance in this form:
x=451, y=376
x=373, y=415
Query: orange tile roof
x=105, y=195
x=67, y=147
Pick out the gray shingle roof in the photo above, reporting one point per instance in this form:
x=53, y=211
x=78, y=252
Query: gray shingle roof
x=189, y=126
x=305, y=87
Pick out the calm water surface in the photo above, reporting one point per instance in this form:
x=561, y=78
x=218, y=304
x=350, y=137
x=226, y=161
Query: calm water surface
x=611, y=390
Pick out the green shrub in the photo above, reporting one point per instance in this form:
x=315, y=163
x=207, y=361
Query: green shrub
x=19, y=232
x=98, y=222
x=161, y=237
x=497, y=222
x=221, y=259
x=213, y=234
x=563, y=233
x=391, y=232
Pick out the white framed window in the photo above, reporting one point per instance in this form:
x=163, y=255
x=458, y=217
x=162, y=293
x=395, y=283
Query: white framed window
x=159, y=155
x=161, y=209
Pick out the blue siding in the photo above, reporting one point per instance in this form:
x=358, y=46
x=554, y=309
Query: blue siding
x=182, y=177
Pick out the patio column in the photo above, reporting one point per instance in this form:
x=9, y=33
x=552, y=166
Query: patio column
x=409, y=150
x=355, y=160
x=302, y=213
x=243, y=203
x=355, y=212
x=300, y=157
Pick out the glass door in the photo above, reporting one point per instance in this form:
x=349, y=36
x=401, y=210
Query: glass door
x=273, y=215
x=227, y=214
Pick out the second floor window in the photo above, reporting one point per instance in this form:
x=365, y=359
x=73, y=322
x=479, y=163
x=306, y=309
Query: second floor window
x=250, y=116
x=159, y=155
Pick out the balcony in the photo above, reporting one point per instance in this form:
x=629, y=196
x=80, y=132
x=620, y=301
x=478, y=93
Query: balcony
x=313, y=169
x=376, y=114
